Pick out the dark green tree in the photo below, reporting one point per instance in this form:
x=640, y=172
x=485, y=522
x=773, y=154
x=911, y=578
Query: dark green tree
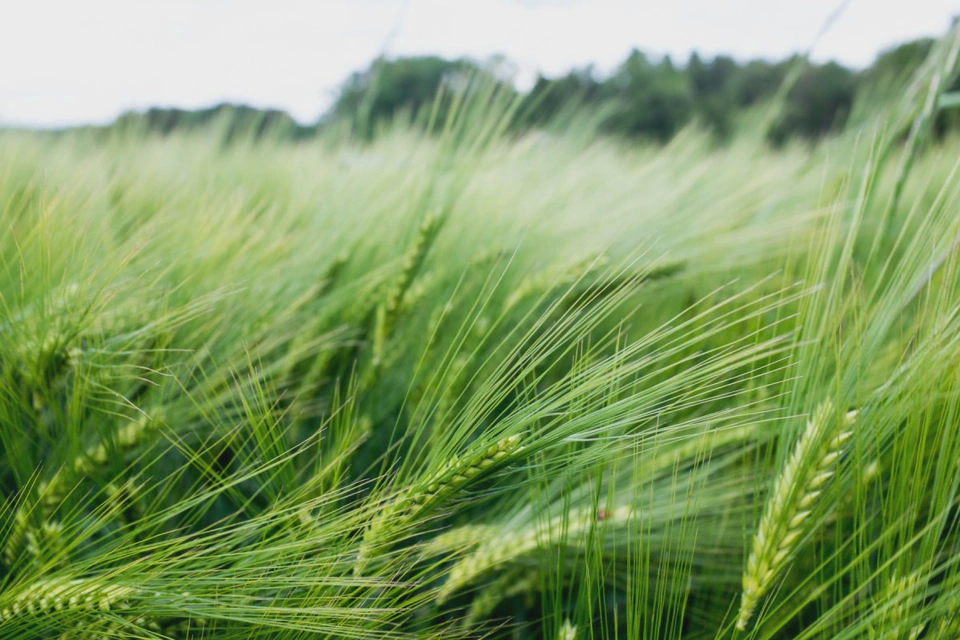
x=233, y=122
x=756, y=81
x=409, y=86
x=552, y=98
x=644, y=98
x=650, y=100
x=817, y=104
x=712, y=85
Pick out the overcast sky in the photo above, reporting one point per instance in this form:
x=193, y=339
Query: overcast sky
x=67, y=62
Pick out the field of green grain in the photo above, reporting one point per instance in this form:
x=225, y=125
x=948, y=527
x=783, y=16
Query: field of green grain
x=480, y=385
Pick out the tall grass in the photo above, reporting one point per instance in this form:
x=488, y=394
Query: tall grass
x=477, y=385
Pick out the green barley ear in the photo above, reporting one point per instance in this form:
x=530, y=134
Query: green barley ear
x=451, y=477
x=386, y=312
x=126, y=437
x=893, y=606
x=945, y=625
x=17, y=538
x=412, y=261
x=552, y=278
x=457, y=540
x=785, y=520
x=511, y=583
x=420, y=290
x=379, y=336
x=53, y=490
x=948, y=628
x=47, y=596
x=592, y=291
x=458, y=471
x=45, y=542
x=514, y=544
x=24, y=535
x=332, y=274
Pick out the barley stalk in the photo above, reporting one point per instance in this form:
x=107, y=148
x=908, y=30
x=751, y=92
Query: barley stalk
x=785, y=520
x=451, y=477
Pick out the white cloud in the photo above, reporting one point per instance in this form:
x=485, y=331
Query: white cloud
x=65, y=62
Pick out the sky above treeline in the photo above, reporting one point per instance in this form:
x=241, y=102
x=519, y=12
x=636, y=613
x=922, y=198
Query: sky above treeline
x=64, y=62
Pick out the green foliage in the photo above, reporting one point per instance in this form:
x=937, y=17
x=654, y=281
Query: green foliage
x=652, y=100
x=818, y=103
x=231, y=122
x=482, y=383
x=551, y=99
x=410, y=86
x=643, y=99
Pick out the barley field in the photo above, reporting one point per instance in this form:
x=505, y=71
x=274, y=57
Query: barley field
x=482, y=385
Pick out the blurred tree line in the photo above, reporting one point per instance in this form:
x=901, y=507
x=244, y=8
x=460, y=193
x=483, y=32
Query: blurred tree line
x=644, y=98
x=235, y=121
